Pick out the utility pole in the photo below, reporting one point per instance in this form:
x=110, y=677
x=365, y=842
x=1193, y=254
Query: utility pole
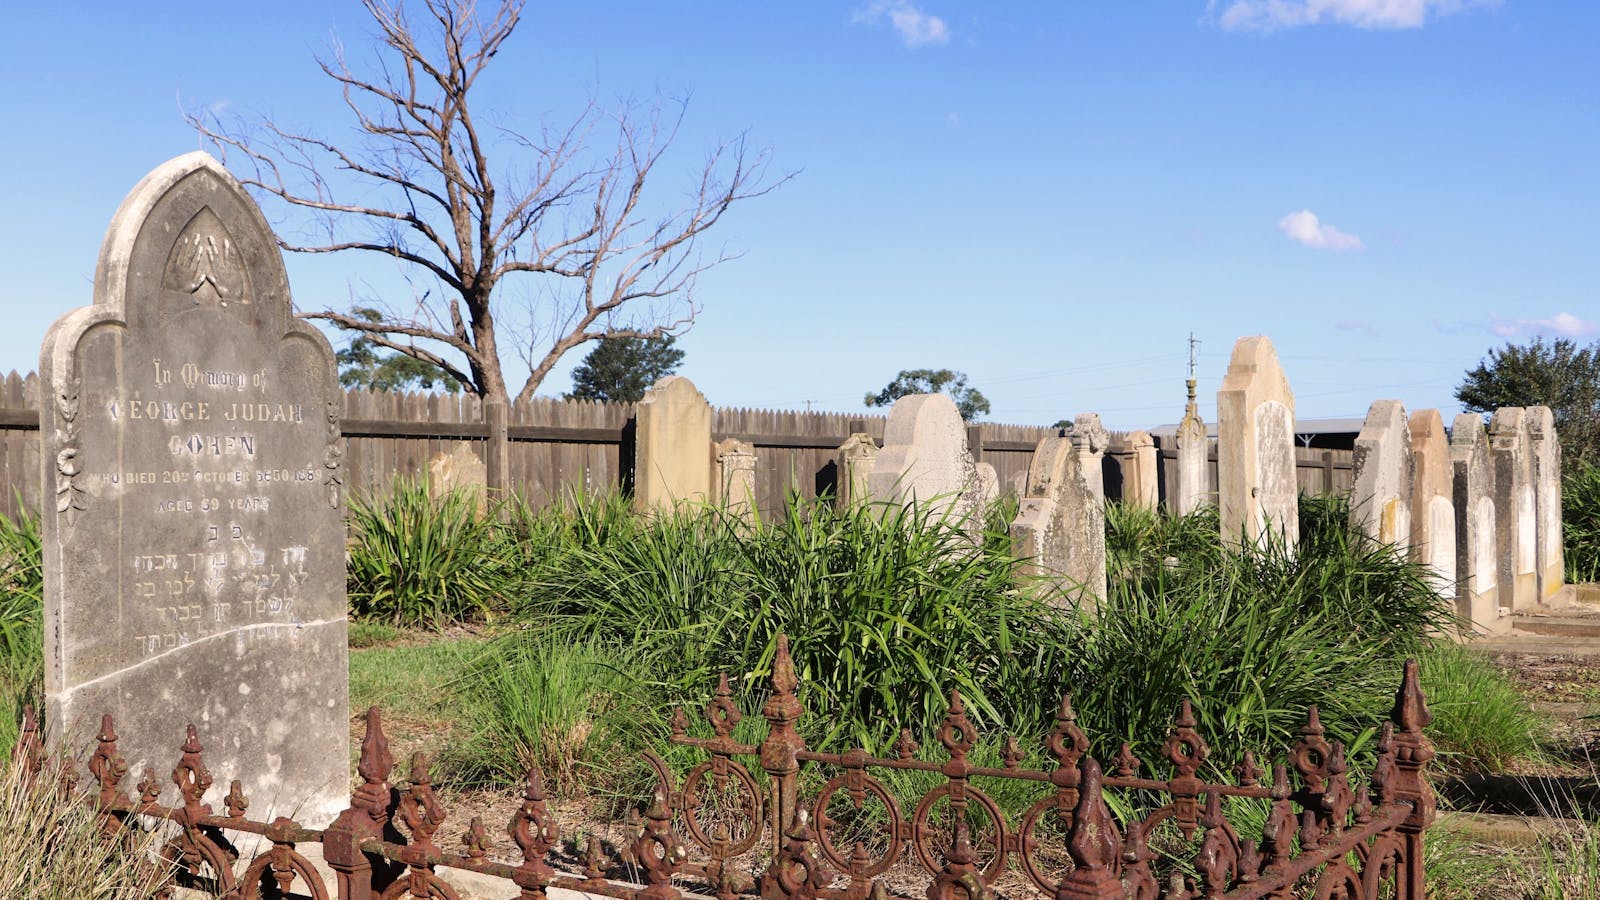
x=1194, y=350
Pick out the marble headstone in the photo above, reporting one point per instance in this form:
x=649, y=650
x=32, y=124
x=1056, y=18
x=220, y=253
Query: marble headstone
x=1380, y=498
x=1060, y=526
x=1516, y=508
x=853, y=466
x=1433, y=511
x=925, y=460
x=1546, y=449
x=193, y=532
x=1257, y=489
x=734, y=463
x=1193, y=444
x=672, y=441
x=1472, y=493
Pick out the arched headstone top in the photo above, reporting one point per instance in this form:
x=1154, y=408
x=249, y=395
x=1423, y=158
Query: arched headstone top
x=1254, y=368
x=674, y=389
x=189, y=237
x=919, y=417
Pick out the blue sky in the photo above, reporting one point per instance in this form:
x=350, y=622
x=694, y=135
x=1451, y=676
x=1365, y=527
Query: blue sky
x=1047, y=196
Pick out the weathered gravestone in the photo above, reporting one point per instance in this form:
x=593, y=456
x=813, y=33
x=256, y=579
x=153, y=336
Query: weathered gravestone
x=1134, y=454
x=1515, y=508
x=1193, y=486
x=853, y=466
x=1546, y=448
x=194, y=548
x=1091, y=440
x=734, y=490
x=671, y=441
x=1060, y=525
x=1380, y=498
x=1257, y=490
x=1433, y=512
x=925, y=460
x=459, y=470
x=1472, y=492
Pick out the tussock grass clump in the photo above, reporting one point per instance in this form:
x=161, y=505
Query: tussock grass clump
x=1480, y=720
x=1252, y=637
x=578, y=710
x=21, y=623
x=888, y=610
x=419, y=561
x=53, y=847
x=1580, y=521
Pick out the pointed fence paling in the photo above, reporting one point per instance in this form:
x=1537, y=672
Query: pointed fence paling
x=1324, y=835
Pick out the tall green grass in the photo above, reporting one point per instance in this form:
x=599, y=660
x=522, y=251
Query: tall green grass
x=1580, y=521
x=888, y=610
x=1251, y=637
x=21, y=623
x=421, y=561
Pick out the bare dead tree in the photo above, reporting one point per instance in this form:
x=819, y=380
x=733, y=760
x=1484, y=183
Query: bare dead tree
x=551, y=209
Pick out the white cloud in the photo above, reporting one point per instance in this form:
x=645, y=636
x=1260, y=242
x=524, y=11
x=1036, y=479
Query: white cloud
x=1271, y=15
x=1564, y=324
x=915, y=27
x=1303, y=227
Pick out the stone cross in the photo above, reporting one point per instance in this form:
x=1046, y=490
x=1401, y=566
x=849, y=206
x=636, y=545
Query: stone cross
x=1546, y=449
x=1516, y=508
x=194, y=541
x=1060, y=525
x=1257, y=487
x=1380, y=498
x=1473, y=496
x=672, y=438
x=1433, y=512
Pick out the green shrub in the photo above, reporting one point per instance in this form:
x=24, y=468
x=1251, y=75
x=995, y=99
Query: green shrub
x=1580, y=521
x=419, y=561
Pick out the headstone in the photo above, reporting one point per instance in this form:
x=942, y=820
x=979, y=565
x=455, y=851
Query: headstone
x=735, y=486
x=1140, y=485
x=1380, y=498
x=1192, y=487
x=1433, y=511
x=1516, y=508
x=1472, y=492
x=1257, y=490
x=1060, y=525
x=1546, y=449
x=671, y=439
x=925, y=460
x=853, y=464
x=988, y=484
x=1091, y=440
x=458, y=470
x=194, y=549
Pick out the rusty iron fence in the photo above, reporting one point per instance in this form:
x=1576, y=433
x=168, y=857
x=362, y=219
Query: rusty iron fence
x=741, y=831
